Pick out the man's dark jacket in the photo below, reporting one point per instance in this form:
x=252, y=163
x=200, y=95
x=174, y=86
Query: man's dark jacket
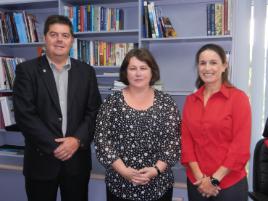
x=38, y=115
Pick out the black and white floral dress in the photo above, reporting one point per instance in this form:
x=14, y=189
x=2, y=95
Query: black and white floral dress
x=139, y=138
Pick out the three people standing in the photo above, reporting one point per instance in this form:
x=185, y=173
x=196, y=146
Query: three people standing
x=137, y=139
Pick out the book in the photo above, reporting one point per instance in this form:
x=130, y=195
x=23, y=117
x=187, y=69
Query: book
x=146, y=22
x=20, y=25
x=9, y=33
x=2, y=39
x=225, y=17
x=33, y=30
x=26, y=26
x=158, y=14
x=152, y=9
x=168, y=29
x=208, y=20
x=7, y=110
x=212, y=19
x=7, y=71
x=229, y=19
x=97, y=18
x=151, y=20
x=218, y=19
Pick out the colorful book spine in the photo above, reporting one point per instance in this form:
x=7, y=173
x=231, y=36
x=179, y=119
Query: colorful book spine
x=88, y=9
x=229, y=23
x=146, y=27
x=75, y=19
x=212, y=21
x=151, y=19
x=100, y=53
x=208, y=20
x=160, y=30
x=121, y=19
x=152, y=7
x=218, y=19
x=102, y=18
x=20, y=25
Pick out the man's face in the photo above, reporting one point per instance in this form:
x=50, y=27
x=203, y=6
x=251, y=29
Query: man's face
x=58, y=40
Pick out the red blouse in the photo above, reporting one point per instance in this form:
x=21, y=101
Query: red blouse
x=217, y=134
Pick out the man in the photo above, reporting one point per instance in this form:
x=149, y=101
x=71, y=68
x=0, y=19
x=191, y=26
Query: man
x=56, y=100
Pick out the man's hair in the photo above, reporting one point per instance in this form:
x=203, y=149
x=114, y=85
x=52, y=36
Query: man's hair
x=58, y=19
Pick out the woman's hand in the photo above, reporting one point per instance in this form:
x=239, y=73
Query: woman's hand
x=134, y=176
x=128, y=173
x=145, y=175
x=206, y=188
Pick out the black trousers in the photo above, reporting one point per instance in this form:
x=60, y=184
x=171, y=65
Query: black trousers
x=72, y=188
x=237, y=192
x=166, y=197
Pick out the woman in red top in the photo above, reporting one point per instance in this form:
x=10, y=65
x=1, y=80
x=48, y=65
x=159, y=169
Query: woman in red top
x=216, y=128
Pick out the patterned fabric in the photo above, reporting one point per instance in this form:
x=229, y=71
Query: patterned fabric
x=139, y=138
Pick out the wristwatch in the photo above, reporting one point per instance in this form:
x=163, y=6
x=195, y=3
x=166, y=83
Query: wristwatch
x=157, y=169
x=214, y=181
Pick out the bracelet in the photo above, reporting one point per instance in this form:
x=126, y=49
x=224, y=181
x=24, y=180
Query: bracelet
x=157, y=169
x=214, y=181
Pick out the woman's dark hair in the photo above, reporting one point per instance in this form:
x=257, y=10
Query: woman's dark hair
x=144, y=55
x=58, y=19
x=220, y=51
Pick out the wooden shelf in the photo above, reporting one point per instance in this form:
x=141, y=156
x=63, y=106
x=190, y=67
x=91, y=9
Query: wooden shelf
x=28, y=4
x=102, y=1
x=106, y=67
x=187, y=39
x=35, y=44
x=107, y=33
x=107, y=76
x=6, y=90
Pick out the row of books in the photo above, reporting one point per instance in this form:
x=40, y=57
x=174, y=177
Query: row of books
x=95, y=18
x=155, y=25
x=100, y=53
x=219, y=18
x=7, y=71
x=18, y=27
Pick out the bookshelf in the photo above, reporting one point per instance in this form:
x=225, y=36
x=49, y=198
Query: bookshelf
x=40, y=9
x=128, y=34
x=175, y=56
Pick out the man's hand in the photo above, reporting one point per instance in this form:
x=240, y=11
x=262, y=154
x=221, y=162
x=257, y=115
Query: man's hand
x=68, y=146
